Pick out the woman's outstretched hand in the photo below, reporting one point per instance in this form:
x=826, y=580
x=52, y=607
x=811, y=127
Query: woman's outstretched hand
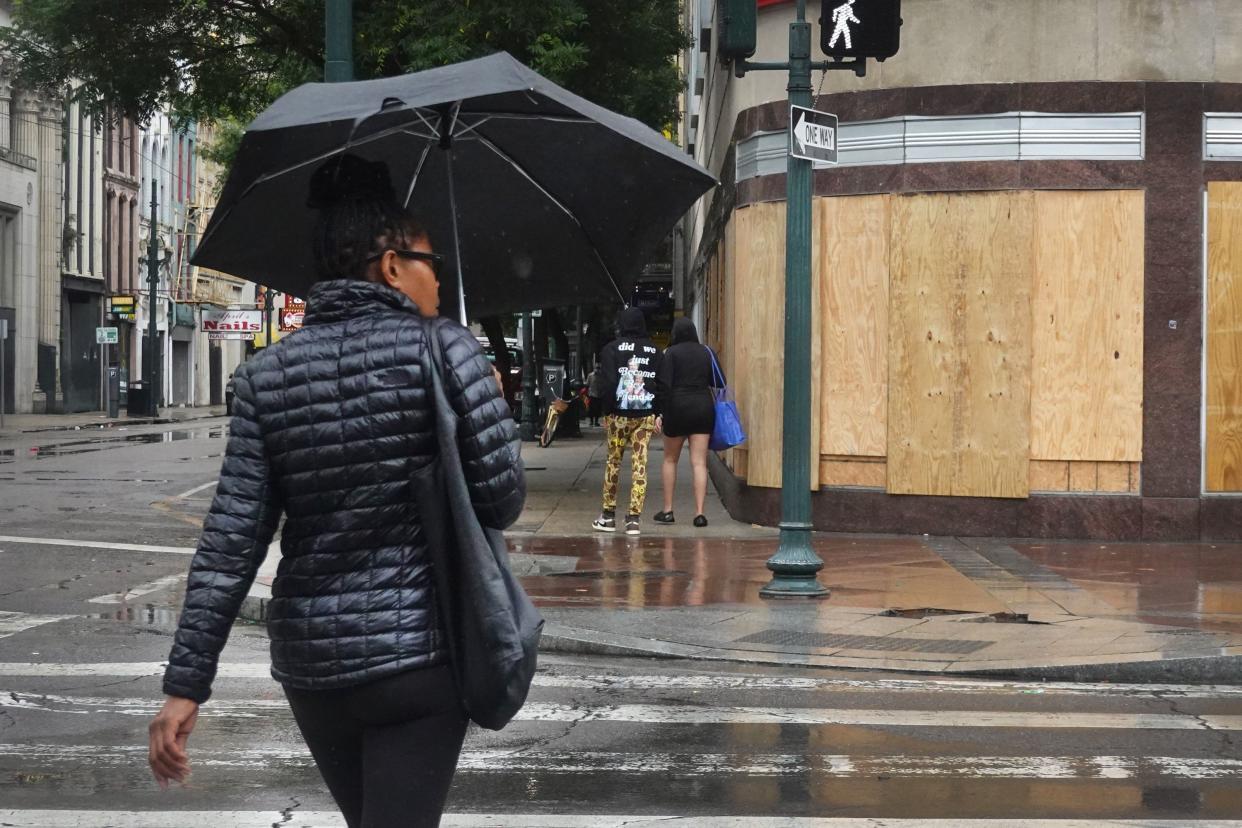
x=170, y=729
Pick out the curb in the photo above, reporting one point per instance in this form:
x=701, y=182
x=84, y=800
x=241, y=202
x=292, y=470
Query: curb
x=1137, y=668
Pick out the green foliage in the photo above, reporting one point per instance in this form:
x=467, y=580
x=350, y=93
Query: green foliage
x=225, y=60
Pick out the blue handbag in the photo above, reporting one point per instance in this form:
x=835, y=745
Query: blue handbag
x=728, y=431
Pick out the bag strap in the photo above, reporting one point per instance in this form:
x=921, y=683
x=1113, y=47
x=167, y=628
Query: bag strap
x=716, y=375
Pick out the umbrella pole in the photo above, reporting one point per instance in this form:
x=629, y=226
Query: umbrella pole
x=461, y=285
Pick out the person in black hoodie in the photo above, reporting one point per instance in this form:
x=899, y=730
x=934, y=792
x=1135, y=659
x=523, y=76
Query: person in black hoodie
x=628, y=369
x=329, y=427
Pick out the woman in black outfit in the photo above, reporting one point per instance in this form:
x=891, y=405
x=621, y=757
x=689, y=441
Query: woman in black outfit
x=687, y=411
x=329, y=427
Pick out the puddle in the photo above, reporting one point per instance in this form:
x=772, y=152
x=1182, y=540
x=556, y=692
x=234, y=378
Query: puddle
x=147, y=615
x=111, y=442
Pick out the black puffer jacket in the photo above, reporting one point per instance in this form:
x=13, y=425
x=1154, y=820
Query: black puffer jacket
x=329, y=425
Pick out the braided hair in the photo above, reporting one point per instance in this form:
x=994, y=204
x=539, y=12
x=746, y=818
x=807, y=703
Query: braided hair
x=358, y=216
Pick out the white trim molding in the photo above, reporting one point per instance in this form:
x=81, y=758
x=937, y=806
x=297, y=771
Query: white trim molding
x=1222, y=136
x=1009, y=136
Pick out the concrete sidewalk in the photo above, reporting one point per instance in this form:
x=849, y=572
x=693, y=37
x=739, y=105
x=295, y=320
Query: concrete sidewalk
x=949, y=606
x=17, y=424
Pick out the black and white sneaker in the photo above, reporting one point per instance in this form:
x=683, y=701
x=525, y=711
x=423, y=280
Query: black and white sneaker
x=604, y=523
x=631, y=525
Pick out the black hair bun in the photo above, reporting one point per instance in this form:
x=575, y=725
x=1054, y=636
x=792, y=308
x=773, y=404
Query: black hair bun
x=349, y=178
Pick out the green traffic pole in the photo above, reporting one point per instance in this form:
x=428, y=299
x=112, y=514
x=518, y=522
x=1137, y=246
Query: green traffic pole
x=795, y=563
x=338, y=33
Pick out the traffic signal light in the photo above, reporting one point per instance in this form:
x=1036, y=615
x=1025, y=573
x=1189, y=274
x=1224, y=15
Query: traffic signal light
x=735, y=20
x=860, y=28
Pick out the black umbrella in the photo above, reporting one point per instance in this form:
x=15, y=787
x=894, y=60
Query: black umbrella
x=540, y=196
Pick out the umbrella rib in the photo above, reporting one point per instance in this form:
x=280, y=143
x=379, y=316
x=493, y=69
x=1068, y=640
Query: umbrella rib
x=513, y=162
x=417, y=172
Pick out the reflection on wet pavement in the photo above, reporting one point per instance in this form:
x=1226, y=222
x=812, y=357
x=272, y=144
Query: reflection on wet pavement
x=1190, y=585
x=620, y=572
x=109, y=442
x=1195, y=585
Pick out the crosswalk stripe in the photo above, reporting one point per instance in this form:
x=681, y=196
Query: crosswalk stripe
x=688, y=714
x=330, y=819
x=12, y=623
x=692, y=764
x=137, y=591
x=262, y=670
x=92, y=544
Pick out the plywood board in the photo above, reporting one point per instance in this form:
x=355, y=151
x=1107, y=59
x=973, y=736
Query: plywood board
x=853, y=270
x=740, y=466
x=959, y=334
x=758, y=305
x=991, y=445
x=758, y=322
x=1087, y=346
x=1223, y=449
x=1112, y=477
x=1049, y=476
x=852, y=472
x=1082, y=476
x=925, y=243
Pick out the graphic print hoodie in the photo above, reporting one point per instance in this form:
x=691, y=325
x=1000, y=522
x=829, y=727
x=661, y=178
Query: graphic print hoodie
x=628, y=368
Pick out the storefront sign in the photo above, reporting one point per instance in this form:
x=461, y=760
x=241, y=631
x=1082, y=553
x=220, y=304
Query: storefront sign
x=122, y=307
x=232, y=324
x=106, y=336
x=291, y=316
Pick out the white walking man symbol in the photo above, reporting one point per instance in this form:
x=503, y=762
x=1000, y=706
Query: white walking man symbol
x=842, y=17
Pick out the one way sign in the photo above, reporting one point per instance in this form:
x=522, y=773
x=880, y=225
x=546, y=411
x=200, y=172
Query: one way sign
x=812, y=134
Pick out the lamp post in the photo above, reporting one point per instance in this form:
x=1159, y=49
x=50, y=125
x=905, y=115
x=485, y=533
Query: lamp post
x=530, y=414
x=338, y=30
x=153, y=283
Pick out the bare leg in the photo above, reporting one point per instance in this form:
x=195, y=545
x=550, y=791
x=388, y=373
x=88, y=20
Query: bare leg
x=672, y=453
x=698, y=461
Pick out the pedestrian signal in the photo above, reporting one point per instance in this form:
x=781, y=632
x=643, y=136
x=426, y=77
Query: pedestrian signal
x=860, y=28
x=736, y=28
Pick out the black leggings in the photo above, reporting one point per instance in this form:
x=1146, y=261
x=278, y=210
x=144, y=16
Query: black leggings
x=388, y=749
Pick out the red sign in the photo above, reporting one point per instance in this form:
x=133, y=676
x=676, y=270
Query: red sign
x=291, y=316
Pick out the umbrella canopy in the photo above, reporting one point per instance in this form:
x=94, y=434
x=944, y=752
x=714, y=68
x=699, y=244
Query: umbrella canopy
x=539, y=196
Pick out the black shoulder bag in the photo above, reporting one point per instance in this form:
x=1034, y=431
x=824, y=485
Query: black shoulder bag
x=491, y=624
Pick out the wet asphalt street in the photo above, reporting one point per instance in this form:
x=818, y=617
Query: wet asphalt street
x=94, y=530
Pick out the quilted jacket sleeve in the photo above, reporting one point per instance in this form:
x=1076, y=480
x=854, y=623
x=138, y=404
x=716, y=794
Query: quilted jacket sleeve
x=236, y=533
x=486, y=435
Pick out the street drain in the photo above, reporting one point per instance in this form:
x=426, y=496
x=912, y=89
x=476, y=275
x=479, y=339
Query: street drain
x=922, y=612
x=796, y=638
x=1004, y=618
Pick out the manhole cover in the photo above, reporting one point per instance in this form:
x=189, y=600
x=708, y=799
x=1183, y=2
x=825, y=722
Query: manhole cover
x=796, y=638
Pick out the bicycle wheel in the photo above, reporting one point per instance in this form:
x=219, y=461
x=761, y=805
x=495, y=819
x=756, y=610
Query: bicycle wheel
x=549, y=428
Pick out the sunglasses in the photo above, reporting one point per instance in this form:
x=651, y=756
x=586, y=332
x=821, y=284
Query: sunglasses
x=435, y=260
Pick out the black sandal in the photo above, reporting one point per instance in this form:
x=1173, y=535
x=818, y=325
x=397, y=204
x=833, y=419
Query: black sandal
x=700, y=521
x=663, y=517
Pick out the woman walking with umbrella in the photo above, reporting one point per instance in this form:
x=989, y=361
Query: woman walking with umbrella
x=329, y=428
